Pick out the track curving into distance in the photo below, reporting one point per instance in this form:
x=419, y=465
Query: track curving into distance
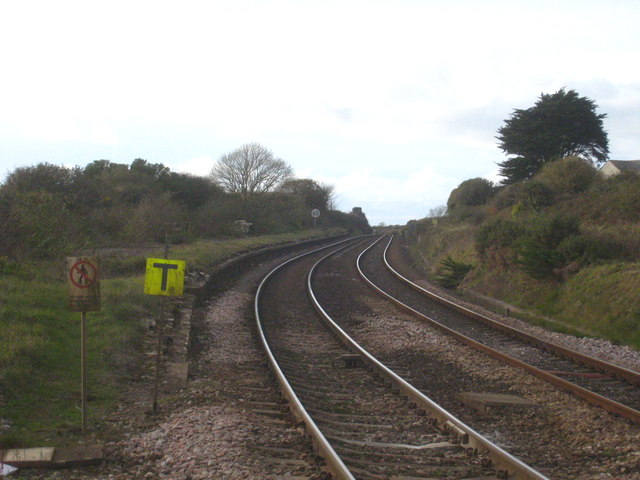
x=611, y=387
x=361, y=417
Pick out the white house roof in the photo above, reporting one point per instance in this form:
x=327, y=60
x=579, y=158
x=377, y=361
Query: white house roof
x=613, y=167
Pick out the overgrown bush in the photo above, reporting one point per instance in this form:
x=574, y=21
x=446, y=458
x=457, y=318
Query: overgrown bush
x=353, y=223
x=551, y=230
x=473, y=192
x=498, y=233
x=157, y=216
x=537, y=249
x=450, y=272
x=42, y=226
x=587, y=250
x=536, y=259
x=278, y=213
x=567, y=176
x=532, y=197
x=51, y=211
x=612, y=200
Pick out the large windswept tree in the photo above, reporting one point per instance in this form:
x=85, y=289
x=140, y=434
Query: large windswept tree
x=558, y=125
x=249, y=170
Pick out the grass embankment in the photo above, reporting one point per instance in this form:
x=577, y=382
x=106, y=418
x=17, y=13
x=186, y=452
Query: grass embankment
x=599, y=300
x=40, y=338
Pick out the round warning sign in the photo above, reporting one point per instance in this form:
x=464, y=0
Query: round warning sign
x=83, y=274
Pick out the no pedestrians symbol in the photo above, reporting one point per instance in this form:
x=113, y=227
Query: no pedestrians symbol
x=83, y=273
x=84, y=284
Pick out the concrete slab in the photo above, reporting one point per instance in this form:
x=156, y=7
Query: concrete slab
x=484, y=402
x=50, y=457
x=27, y=457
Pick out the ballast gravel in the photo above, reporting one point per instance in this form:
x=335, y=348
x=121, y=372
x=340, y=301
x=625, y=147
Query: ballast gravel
x=208, y=430
x=563, y=435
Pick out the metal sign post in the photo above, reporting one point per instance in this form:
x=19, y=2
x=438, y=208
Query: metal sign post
x=83, y=369
x=165, y=278
x=156, y=379
x=315, y=213
x=84, y=296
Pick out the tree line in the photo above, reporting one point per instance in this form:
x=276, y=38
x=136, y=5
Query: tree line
x=51, y=211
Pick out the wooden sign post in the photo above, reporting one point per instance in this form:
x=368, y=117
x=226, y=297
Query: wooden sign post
x=84, y=296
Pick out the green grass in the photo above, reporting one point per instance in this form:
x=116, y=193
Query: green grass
x=604, y=300
x=40, y=337
x=40, y=354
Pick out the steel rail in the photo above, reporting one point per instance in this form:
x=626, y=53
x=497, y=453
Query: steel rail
x=322, y=446
x=604, y=366
x=506, y=464
x=581, y=392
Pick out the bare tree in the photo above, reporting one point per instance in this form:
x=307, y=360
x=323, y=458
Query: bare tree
x=330, y=192
x=249, y=170
x=439, y=211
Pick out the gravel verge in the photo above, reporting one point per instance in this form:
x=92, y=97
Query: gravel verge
x=211, y=428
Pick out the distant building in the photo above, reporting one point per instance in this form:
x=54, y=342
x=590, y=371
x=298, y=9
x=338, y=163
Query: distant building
x=616, y=167
x=242, y=226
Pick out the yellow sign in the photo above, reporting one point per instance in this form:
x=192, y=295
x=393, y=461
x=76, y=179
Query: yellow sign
x=84, y=284
x=164, y=277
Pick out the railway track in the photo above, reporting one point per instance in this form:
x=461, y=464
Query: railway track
x=364, y=420
x=603, y=384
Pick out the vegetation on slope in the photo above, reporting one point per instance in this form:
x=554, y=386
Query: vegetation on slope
x=564, y=244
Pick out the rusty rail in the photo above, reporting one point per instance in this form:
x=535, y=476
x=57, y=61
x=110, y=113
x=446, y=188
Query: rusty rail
x=588, y=395
x=322, y=446
x=506, y=464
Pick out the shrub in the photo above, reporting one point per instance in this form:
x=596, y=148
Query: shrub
x=587, y=250
x=567, y=176
x=551, y=230
x=41, y=226
x=536, y=259
x=505, y=197
x=473, y=192
x=216, y=218
x=615, y=199
x=156, y=216
x=530, y=196
x=534, y=196
x=537, y=250
x=497, y=233
x=450, y=272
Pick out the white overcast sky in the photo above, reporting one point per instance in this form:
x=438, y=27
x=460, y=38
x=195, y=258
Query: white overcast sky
x=394, y=102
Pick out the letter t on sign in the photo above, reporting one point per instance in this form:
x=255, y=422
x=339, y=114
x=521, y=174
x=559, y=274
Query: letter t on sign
x=164, y=277
x=165, y=268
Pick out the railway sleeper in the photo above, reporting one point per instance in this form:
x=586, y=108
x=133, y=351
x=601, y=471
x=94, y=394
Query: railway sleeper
x=437, y=465
x=439, y=449
x=426, y=473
